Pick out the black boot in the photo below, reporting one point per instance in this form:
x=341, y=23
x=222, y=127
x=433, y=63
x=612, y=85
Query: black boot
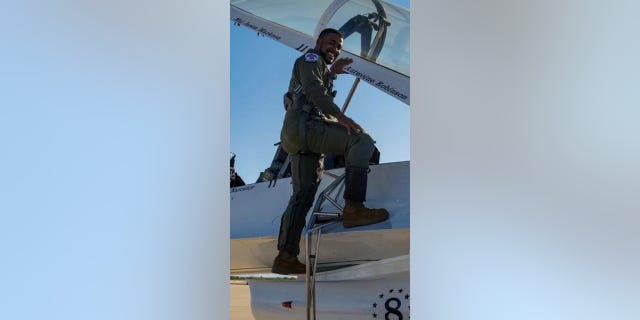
x=355, y=213
x=286, y=263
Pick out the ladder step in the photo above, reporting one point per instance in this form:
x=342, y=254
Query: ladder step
x=327, y=215
x=322, y=217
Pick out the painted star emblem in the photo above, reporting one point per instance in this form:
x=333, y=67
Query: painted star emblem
x=391, y=301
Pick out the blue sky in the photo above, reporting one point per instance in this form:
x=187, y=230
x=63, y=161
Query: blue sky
x=260, y=74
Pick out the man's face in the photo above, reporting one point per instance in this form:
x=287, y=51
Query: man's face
x=329, y=47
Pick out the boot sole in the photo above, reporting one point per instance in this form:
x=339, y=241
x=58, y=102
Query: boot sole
x=355, y=224
x=285, y=272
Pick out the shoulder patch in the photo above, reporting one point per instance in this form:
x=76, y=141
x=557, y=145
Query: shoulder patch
x=311, y=57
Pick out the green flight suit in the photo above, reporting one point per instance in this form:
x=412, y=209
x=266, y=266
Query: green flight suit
x=307, y=135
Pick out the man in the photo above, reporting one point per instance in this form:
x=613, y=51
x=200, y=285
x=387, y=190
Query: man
x=307, y=134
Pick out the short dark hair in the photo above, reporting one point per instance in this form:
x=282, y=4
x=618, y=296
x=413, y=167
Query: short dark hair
x=330, y=30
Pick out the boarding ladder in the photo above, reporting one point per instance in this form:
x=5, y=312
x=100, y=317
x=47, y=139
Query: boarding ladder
x=320, y=220
x=317, y=222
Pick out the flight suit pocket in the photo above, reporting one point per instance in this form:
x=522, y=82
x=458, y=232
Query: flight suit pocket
x=315, y=134
x=292, y=140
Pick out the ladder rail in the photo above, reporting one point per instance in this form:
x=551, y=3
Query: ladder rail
x=308, y=276
x=315, y=265
x=324, y=196
x=314, y=226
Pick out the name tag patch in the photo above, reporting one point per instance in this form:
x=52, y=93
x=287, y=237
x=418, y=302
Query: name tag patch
x=311, y=57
